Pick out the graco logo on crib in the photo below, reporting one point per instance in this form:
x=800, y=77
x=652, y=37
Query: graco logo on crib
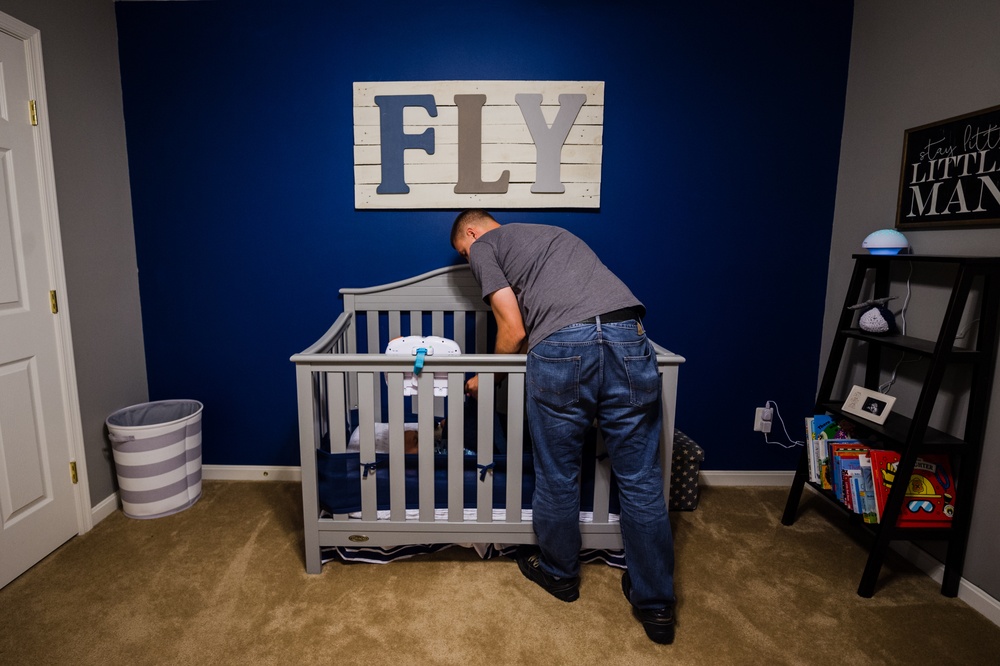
x=491, y=144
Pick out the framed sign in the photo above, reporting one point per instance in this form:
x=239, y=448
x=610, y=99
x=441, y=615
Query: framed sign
x=868, y=404
x=478, y=144
x=951, y=173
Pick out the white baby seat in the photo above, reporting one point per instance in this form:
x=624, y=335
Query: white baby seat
x=420, y=346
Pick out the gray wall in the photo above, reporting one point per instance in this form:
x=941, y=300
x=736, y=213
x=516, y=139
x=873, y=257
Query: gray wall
x=83, y=86
x=914, y=62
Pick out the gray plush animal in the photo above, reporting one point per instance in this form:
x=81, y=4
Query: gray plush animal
x=876, y=319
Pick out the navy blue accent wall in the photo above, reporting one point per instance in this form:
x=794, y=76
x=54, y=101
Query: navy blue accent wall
x=721, y=142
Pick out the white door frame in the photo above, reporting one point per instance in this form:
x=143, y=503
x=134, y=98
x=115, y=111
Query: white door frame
x=57, y=277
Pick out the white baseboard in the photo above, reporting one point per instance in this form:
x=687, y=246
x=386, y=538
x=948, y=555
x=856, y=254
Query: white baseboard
x=262, y=473
x=111, y=503
x=105, y=508
x=986, y=605
x=753, y=478
x=250, y=473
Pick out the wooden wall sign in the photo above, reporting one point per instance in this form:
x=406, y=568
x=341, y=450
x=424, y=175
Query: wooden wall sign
x=478, y=144
x=951, y=173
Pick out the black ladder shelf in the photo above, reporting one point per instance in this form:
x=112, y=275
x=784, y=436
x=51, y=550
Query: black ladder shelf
x=911, y=436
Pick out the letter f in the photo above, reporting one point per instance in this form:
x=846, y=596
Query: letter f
x=394, y=141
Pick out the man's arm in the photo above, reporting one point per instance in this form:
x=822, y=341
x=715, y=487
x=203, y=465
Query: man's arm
x=511, y=336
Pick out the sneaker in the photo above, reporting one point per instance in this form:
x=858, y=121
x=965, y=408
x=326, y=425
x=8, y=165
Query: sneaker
x=658, y=623
x=564, y=589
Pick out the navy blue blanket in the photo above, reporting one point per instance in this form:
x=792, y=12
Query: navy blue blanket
x=340, y=477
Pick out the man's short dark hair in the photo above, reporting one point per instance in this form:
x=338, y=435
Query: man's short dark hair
x=473, y=217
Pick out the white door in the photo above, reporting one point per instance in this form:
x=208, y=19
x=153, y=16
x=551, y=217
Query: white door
x=38, y=503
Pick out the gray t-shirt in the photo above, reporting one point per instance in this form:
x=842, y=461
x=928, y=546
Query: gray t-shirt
x=557, y=278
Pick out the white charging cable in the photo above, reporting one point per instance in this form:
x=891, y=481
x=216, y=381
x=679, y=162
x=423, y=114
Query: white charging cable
x=792, y=442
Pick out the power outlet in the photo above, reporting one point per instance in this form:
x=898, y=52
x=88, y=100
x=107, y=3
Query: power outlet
x=762, y=420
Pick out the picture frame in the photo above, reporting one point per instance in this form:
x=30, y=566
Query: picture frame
x=949, y=177
x=869, y=405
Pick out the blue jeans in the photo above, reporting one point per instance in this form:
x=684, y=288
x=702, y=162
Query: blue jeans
x=606, y=372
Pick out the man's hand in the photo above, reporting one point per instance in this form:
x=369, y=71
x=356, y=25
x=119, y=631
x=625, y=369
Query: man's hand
x=472, y=387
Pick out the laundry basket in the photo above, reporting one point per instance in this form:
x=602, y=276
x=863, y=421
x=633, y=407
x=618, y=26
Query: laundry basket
x=157, y=453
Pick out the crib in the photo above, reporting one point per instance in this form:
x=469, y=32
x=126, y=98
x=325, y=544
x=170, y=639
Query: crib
x=468, y=493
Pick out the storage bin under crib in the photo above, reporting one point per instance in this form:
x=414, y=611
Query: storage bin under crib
x=470, y=491
x=684, y=470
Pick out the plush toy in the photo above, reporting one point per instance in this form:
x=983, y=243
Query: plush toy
x=876, y=319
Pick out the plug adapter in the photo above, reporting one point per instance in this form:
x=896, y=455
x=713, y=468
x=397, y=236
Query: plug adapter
x=762, y=419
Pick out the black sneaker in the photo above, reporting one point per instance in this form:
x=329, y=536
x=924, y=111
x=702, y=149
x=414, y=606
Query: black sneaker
x=564, y=589
x=658, y=623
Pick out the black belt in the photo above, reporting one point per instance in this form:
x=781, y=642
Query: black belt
x=625, y=314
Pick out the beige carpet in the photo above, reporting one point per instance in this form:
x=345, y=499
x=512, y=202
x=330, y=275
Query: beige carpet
x=223, y=583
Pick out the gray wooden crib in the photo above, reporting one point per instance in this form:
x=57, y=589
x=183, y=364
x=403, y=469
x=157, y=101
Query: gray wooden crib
x=346, y=384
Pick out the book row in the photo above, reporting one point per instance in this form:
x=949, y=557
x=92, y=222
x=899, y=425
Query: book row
x=861, y=476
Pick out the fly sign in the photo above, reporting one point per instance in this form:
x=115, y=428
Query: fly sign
x=483, y=144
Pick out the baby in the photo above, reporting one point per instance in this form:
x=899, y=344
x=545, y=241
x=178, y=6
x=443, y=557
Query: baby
x=410, y=438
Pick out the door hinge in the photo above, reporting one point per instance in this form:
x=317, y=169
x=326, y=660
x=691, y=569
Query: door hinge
x=72, y=472
x=34, y=112
x=53, y=302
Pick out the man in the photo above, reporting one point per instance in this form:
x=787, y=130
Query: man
x=588, y=358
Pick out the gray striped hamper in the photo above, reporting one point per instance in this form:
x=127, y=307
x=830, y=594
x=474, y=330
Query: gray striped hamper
x=157, y=454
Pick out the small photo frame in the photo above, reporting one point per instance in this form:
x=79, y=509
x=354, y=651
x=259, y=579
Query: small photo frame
x=869, y=405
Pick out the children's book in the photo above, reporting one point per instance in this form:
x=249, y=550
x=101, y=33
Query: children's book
x=812, y=451
x=857, y=494
x=869, y=504
x=930, y=493
x=850, y=469
x=844, y=456
x=824, y=431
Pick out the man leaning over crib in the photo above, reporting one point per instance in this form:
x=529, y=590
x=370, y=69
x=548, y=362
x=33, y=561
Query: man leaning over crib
x=588, y=358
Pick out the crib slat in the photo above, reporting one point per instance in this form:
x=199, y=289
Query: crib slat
x=484, y=447
x=416, y=328
x=425, y=433
x=437, y=328
x=458, y=335
x=351, y=337
x=425, y=459
x=336, y=402
x=397, y=469
x=371, y=330
x=366, y=433
x=456, y=428
x=394, y=326
x=515, y=445
x=336, y=396
x=373, y=348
